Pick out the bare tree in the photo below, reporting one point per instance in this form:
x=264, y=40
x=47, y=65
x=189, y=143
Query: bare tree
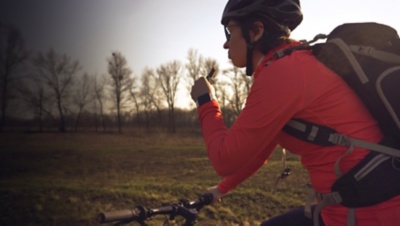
x=240, y=85
x=57, y=72
x=82, y=97
x=169, y=75
x=209, y=64
x=37, y=99
x=121, y=83
x=134, y=92
x=197, y=67
x=223, y=96
x=151, y=93
x=100, y=97
x=12, y=55
x=194, y=66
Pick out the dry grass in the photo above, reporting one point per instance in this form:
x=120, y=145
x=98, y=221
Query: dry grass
x=66, y=179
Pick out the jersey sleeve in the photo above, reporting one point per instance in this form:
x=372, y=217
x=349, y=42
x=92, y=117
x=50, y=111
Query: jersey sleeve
x=231, y=182
x=272, y=101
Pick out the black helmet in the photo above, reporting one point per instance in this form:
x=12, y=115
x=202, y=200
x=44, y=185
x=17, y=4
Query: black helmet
x=282, y=16
x=286, y=13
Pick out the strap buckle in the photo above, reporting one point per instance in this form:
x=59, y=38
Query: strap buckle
x=339, y=139
x=330, y=198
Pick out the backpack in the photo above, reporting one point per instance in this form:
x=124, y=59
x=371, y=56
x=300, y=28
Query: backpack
x=367, y=57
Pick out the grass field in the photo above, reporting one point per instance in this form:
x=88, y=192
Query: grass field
x=67, y=179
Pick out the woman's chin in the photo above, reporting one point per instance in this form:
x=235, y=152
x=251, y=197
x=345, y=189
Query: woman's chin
x=237, y=64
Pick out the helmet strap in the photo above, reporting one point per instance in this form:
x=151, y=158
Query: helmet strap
x=250, y=49
x=249, y=59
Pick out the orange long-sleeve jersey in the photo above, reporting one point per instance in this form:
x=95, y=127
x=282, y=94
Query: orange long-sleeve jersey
x=296, y=86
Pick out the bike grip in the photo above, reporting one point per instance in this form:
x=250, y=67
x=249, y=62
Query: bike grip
x=207, y=198
x=119, y=215
x=203, y=200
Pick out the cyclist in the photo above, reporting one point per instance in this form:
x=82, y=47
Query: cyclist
x=295, y=86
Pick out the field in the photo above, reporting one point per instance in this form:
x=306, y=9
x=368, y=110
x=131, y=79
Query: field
x=67, y=179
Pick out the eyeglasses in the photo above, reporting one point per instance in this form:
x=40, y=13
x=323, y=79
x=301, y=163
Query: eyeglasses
x=227, y=29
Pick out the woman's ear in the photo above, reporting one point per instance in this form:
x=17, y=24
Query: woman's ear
x=258, y=31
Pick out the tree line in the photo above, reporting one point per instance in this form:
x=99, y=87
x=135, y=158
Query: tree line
x=46, y=90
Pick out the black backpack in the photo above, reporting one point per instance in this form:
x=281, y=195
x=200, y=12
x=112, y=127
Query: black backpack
x=367, y=57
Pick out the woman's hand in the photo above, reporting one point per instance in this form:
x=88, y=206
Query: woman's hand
x=201, y=86
x=216, y=194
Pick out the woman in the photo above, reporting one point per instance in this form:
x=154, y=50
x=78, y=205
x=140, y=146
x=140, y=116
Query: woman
x=295, y=86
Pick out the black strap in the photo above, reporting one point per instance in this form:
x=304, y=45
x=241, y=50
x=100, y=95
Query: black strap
x=309, y=132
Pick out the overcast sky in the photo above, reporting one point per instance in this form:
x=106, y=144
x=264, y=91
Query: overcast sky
x=153, y=32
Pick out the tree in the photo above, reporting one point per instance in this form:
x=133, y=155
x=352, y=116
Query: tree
x=223, y=96
x=121, y=83
x=194, y=67
x=151, y=93
x=169, y=75
x=209, y=64
x=197, y=67
x=240, y=86
x=82, y=97
x=100, y=99
x=12, y=55
x=57, y=73
x=134, y=92
x=37, y=99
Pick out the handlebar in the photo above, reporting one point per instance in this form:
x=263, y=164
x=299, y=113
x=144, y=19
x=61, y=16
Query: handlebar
x=186, y=209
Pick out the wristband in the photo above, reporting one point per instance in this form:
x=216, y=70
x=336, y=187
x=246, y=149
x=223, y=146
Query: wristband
x=203, y=99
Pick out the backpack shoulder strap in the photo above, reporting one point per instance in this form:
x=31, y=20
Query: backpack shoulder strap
x=309, y=132
x=325, y=136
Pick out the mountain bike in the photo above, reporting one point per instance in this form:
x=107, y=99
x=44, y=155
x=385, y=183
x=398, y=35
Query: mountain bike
x=188, y=210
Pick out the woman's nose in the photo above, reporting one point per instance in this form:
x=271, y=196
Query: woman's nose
x=226, y=44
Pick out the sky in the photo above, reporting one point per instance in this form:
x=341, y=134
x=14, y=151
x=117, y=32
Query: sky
x=153, y=32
